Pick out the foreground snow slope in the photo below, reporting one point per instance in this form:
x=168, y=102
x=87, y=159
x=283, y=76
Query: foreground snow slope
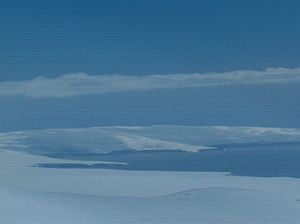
x=208, y=205
x=30, y=195
x=35, y=195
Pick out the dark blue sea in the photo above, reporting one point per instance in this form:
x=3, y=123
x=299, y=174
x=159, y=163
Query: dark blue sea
x=262, y=160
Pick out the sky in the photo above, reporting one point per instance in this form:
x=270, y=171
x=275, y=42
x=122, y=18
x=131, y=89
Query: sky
x=89, y=63
x=146, y=37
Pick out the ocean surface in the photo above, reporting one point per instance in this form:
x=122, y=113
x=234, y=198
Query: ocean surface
x=261, y=160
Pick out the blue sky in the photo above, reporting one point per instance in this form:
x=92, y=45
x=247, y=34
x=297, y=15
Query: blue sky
x=267, y=106
x=251, y=49
x=146, y=37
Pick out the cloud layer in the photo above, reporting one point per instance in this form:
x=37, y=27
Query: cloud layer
x=81, y=84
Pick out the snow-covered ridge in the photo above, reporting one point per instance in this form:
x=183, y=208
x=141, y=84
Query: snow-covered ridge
x=209, y=205
x=157, y=137
x=32, y=195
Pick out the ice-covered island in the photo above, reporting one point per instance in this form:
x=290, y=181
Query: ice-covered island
x=127, y=175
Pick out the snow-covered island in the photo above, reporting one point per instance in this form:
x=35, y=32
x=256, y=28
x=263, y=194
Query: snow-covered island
x=32, y=194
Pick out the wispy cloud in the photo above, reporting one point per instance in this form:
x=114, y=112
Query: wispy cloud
x=81, y=83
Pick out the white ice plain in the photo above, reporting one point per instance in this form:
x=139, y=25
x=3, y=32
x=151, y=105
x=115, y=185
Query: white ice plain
x=35, y=195
x=39, y=195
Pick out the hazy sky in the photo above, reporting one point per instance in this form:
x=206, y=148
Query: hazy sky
x=142, y=41
x=146, y=37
